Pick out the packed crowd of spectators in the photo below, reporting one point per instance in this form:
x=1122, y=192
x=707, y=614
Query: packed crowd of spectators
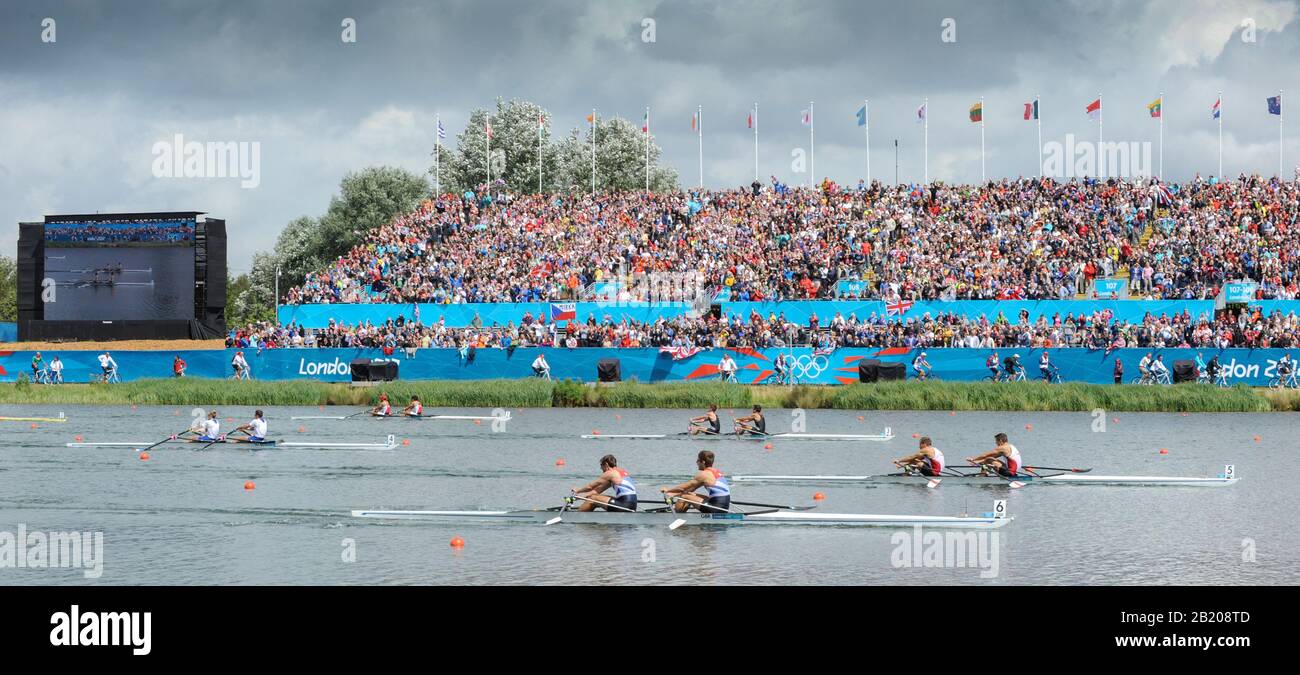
x=1093, y=331
x=1010, y=239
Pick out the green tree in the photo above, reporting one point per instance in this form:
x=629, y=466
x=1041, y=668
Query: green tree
x=368, y=199
x=620, y=159
x=8, y=289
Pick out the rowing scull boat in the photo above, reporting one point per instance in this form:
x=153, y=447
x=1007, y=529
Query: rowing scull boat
x=882, y=437
x=666, y=518
x=34, y=419
x=1227, y=478
x=390, y=444
x=409, y=417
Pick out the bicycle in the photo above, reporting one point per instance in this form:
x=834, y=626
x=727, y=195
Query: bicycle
x=105, y=378
x=1052, y=376
x=1287, y=381
x=42, y=376
x=542, y=373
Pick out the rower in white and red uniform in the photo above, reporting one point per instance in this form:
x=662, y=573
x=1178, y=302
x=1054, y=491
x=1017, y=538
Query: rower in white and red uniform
x=1004, y=460
x=611, y=476
x=717, y=491
x=415, y=409
x=384, y=409
x=927, y=461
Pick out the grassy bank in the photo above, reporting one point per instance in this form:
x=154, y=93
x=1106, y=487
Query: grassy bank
x=532, y=393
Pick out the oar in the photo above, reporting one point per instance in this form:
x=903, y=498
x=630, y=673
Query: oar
x=567, y=501
x=606, y=504
x=784, y=507
x=220, y=439
x=1011, y=482
x=678, y=522
x=173, y=437
x=1053, y=468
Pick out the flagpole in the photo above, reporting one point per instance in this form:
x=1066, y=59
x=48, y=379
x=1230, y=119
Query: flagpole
x=437, y=155
x=1220, y=135
x=593, y=151
x=1279, y=134
x=1038, y=113
x=540, y=119
x=1101, y=144
x=866, y=118
x=487, y=131
x=812, y=146
x=755, y=140
x=699, y=131
x=647, y=148
x=982, y=178
x=1162, y=135
x=926, y=121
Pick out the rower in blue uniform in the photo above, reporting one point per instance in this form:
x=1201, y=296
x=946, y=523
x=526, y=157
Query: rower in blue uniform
x=716, y=497
x=611, y=475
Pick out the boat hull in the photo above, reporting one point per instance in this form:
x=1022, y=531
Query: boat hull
x=652, y=519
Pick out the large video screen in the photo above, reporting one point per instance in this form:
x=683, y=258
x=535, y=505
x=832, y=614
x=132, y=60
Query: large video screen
x=120, y=269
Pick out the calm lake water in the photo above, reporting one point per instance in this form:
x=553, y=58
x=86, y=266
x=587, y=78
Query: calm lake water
x=184, y=517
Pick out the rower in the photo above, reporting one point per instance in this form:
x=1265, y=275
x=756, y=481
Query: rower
x=384, y=409
x=717, y=491
x=611, y=475
x=255, y=428
x=927, y=460
x=752, y=424
x=710, y=418
x=210, y=429
x=1003, y=460
x=415, y=409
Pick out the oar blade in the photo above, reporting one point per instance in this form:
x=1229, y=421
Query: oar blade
x=676, y=524
x=554, y=520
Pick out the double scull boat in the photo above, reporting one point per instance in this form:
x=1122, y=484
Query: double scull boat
x=1078, y=477
x=390, y=443
x=887, y=435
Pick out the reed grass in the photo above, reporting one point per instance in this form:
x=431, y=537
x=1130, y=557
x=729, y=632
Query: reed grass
x=534, y=393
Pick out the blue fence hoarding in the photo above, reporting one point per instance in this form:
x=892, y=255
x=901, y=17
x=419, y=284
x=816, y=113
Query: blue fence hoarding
x=1252, y=367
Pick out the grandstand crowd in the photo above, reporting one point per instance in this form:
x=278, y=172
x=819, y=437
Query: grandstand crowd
x=1096, y=331
x=1010, y=239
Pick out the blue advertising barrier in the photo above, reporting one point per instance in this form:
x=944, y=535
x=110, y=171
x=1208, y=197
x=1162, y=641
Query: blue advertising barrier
x=1253, y=367
x=1270, y=306
x=798, y=311
x=8, y=332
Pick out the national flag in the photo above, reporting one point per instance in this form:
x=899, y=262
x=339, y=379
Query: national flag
x=1162, y=194
x=1153, y=108
x=1094, y=109
x=645, y=122
x=488, y=128
x=1215, y=108
x=442, y=133
x=695, y=121
x=1031, y=110
x=977, y=112
x=806, y=117
x=680, y=353
x=862, y=115
x=920, y=113
x=823, y=351
x=750, y=121
x=541, y=121
x=898, y=308
x=1275, y=105
x=564, y=311
x=591, y=119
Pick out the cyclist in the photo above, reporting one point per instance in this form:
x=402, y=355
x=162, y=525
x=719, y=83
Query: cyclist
x=782, y=366
x=992, y=364
x=541, y=368
x=1119, y=371
x=1012, y=365
x=1144, y=367
x=56, y=370
x=38, y=368
x=1200, y=366
x=921, y=366
x=1213, y=368
x=240, y=365
x=1286, y=370
x=1158, y=371
x=109, y=366
x=1045, y=367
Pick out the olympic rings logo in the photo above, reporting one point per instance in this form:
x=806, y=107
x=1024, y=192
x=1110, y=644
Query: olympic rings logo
x=806, y=365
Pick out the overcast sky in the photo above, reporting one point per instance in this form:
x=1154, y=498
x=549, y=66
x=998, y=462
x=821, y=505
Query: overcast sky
x=79, y=116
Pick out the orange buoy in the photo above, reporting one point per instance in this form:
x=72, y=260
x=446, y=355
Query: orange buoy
x=144, y=457
x=916, y=435
x=321, y=407
x=1164, y=451
x=176, y=413
x=767, y=447
x=952, y=413
x=249, y=485
x=559, y=462
x=133, y=407
x=457, y=542
x=861, y=418
x=478, y=422
x=595, y=432
x=1115, y=420
x=817, y=496
x=33, y=425
x=77, y=438
x=302, y=430
x=406, y=441
x=618, y=418
x=1257, y=439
